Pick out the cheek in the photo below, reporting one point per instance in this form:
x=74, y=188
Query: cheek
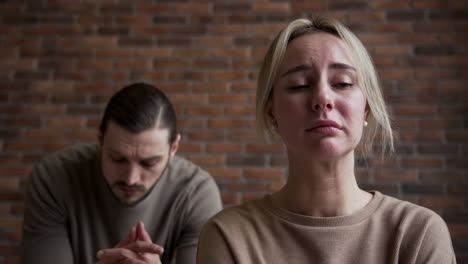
x=288, y=109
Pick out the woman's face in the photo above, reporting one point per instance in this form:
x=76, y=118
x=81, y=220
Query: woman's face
x=317, y=103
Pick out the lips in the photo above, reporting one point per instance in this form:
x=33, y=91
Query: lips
x=324, y=126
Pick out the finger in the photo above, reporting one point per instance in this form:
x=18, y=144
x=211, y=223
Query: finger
x=115, y=254
x=131, y=237
x=142, y=234
x=145, y=247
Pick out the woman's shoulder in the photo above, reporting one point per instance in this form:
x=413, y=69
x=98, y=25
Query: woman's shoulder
x=399, y=208
x=410, y=217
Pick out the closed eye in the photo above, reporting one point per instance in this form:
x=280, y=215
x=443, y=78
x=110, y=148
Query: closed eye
x=343, y=85
x=298, y=87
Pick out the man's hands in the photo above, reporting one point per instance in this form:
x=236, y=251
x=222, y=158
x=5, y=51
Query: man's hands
x=136, y=248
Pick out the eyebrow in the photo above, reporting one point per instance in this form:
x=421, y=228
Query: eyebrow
x=303, y=67
x=157, y=156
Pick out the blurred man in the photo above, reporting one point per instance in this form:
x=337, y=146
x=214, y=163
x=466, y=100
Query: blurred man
x=128, y=199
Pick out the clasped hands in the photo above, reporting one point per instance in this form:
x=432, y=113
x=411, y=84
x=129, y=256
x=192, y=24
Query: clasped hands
x=136, y=248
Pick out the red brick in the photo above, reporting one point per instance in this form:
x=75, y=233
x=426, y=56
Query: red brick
x=228, y=123
x=114, y=53
x=205, y=110
x=427, y=135
x=393, y=50
x=228, y=99
x=54, y=30
x=69, y=122
x=210, y=87
x=441, y=202
x=230, y=52
x=227, y=173
x=396, y=74
x=223, y=147
x=308, y=5
x=415, y=110
x=227, y=76
x=396, y=27
x=131, y=64
x=420, y=162
x=434, y=74
x=190, y=147
x=264, y=173
x=230, y=198
x=192, y=8
x=94, y=42
x=153, y=52
x=18, y=64
x=271, y=7
x=207, y=160
x=270, y=29
x=389, y=4
x=457, y=136
x=453, y=61
x=204, y=135
x=434, y=27
x=457, y=230
x=191, y=123
x=248, y=187
x=427, y=4
x=151, y=31
x=92, y=19
x=243, y=135
x=238, y=110
x=405, y=175
x=174, y=86
x=227, y=30
x=9, y=182
x=210, y=41
x=210, y=64
x=187, y=75
x=44, y=109
x=132, y=20
x=265, y=148
x=276, y=185
x=15, y=170
x=154, y=76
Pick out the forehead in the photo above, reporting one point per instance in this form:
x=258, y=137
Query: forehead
x=152, y=141
x=316, y=49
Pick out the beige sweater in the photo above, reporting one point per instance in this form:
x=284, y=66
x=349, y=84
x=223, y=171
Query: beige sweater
x=387, y=230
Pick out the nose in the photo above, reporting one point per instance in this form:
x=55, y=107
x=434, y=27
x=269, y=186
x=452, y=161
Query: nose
x=321, y=98
x=132, y=175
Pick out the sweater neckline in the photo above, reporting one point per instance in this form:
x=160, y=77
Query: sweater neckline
x=334, y=221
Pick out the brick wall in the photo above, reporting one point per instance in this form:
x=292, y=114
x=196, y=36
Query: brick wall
x=60, y=60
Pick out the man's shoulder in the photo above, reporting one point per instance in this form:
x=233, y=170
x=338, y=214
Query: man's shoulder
x=182, y=169
x=77, y=152
x=67, y=161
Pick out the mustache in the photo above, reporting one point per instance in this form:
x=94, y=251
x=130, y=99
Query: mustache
x=123, y=184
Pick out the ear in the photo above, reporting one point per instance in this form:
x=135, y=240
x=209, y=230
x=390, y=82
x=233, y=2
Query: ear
x=174, y=146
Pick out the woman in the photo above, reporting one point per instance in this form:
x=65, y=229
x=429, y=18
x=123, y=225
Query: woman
x=318, y=92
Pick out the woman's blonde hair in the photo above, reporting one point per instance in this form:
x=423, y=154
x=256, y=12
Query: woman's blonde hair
x=378, y=120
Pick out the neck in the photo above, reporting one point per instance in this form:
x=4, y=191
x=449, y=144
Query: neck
x=321, y=187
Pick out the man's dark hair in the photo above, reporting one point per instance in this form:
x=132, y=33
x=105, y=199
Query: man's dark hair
x=138, y=107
